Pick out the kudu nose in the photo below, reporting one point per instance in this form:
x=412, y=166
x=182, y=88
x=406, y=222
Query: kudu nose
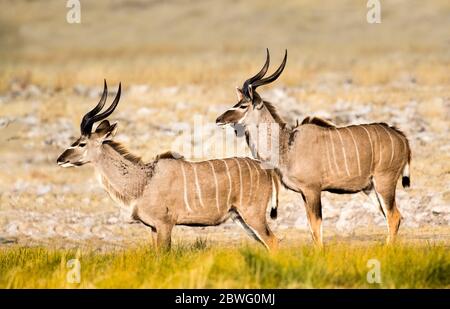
x=219, y=120
x=60, y=160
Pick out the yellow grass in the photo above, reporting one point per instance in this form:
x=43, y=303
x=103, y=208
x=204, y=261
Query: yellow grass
x=200, y=266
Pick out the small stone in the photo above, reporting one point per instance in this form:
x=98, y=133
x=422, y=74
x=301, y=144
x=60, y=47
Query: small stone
x=112, y=220
x=43, y=189
x=12, y=229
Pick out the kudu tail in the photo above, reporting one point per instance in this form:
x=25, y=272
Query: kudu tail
x=406, y=182
x=274, y=199
x=406, y=178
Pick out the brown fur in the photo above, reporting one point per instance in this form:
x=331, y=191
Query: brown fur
x=405, y=137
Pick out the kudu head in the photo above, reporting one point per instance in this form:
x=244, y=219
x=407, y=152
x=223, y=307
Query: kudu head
x=250, y=105
x=88, y=146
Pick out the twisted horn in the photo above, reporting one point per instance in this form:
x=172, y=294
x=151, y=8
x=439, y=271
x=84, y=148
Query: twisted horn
x=87, y=128
x=96, y=109
x=110, y=109
x=260, y=74
x=272, y=77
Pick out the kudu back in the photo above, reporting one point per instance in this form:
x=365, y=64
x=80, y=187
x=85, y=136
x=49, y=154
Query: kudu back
x=170, y=190
x=317, y=156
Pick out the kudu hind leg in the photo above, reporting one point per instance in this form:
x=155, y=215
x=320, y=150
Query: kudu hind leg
x=313, y=207
x=374, y=197
x=394, y=220
x=258, y=228
x=385, y=191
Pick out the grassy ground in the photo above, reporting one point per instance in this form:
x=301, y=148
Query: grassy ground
x=200, y=266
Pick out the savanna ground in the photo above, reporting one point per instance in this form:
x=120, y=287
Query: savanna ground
x=179, y=62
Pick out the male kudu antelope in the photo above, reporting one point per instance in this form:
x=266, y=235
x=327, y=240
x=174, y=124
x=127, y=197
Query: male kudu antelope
x=170, y=191
x=317, y=156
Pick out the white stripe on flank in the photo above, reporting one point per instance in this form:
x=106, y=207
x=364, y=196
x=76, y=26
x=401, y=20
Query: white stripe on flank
x=185, y=195
x=334, y=152
x=197, y=186
x=251, y=185
x=328, y=156
x=357, y=151
x=257, y=169
x=402, y=138
x=404, y=148
x=379, y=143
x=217, y=185
x=371, y=147
x=229, y=181
x=343, y=151
x=392, y=144
x=240, y=181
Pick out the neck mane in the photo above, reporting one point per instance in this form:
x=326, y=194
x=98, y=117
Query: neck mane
x=273, y=112
x=120, y=149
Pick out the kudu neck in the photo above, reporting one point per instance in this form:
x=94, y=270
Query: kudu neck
x=123, y=177
x=268, y=136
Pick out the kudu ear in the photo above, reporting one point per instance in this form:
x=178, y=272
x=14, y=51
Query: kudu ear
x=106, y=131
x=239, y=93
x=103, y=126
x=257, y=102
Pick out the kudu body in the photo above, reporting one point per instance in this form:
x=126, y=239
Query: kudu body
x=172, y=191
x=317, y=156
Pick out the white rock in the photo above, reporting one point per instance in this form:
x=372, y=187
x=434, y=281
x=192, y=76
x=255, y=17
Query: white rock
x=12, y=229
x=145, y=111
x=112, y=220
x=138, y=89
x=32, y=91
x=43, y=189
x=170, y=90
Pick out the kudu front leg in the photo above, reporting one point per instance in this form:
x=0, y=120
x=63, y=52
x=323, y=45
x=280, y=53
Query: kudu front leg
x=313, y=208
x=163, y=237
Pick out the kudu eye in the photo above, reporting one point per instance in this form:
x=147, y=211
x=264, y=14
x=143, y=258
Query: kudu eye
x=243, y=106
x=82, y=144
